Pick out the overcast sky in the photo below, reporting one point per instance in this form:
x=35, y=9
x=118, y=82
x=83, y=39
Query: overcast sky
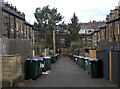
x=86, y=10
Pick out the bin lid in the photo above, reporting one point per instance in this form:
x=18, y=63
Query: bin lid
x=75, y=55
x=47, y=57
x=57, y=54
x=40, y=58
x=93, y=59
x=81, y=57
x=87, y=58
x=32, y=59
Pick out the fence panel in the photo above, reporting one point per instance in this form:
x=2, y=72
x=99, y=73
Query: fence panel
x=17, y=46
x=114, y=66
x=104, y=56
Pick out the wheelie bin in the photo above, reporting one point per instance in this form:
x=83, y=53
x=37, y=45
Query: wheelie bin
x=89, y=65
x=56, y=57
x=74, y=58
x=31, y=69
x=86, y=59
x=81, y=61
x=96, y=68
x=77, y=60
x=71, y=56
x=40, y=59
x=53, y=59
x=44, y=63
x=48, y=59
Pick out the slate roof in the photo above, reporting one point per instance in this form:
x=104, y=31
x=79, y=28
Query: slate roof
x=114, y=19
x=86, y=26
x=9, y=10
x=90, y=25
x=99, y=24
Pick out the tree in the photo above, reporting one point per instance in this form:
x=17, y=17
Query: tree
x=73, y=28
x=46, y=22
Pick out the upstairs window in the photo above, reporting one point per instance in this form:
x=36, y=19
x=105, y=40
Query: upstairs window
x=12, y=22
x=6, y=23
x=17, y=26
x=118, y=29
x=21, y=27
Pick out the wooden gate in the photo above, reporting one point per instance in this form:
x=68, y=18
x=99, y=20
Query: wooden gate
x=65, y=52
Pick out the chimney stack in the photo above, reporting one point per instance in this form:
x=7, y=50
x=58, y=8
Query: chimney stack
x=119, y=3
x=116, y=7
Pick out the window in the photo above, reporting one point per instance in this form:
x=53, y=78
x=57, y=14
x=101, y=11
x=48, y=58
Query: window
x=99, y=36
x=6, y=23
x=89, y=31
x=17, y=26
x=12, y=25
x=62, y=41
x=103, y=34
x=118, y=30
x=21, y=27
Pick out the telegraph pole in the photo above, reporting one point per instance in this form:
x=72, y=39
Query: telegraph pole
x=1, y=28
x=1, y=18
x=54, y=50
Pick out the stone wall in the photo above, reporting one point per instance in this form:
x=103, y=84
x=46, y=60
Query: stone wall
x=11, y=69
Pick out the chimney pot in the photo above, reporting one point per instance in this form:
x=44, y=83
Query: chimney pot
x=116, y=7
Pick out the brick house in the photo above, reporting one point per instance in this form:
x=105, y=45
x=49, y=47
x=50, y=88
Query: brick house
x=91, y=33
x=113, y=24
x=14, y=24
x=86, y=32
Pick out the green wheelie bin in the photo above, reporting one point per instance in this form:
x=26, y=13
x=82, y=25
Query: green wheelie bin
x=48, y=62
x=31, y=69
x=82, y=62
x=53, y=59
x=41, y=63
x=86, y=63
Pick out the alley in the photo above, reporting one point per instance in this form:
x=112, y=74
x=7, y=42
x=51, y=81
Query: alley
x=65, y=73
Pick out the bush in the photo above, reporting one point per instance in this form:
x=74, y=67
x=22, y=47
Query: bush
x=102, y=45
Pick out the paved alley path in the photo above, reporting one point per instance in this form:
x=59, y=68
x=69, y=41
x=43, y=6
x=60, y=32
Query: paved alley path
x=65, y=73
